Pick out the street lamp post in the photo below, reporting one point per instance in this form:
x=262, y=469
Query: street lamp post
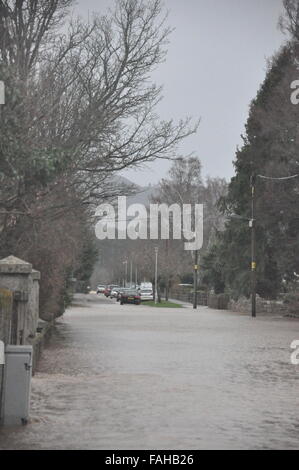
x=126, y=272
x=156, y=275
x=252, y=224
x=131, y=273
x=195, y=277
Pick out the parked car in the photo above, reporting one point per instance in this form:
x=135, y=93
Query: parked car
x=100, y=289
x=146, y=294
x=119, y=292
x=130, y=296
x=114, y=291
x=146, y=285
x=108, y=289
x=122, y=290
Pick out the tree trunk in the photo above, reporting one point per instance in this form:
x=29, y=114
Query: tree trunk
x=167, y=291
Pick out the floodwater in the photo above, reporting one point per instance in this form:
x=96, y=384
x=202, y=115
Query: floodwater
x=135, y=377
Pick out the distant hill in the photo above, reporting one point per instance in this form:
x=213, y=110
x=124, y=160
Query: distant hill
x=142, y=195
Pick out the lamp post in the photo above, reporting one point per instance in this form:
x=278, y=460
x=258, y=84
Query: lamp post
x=126, y=272
x=252, y=225
x=195, y=277
x=156, y=275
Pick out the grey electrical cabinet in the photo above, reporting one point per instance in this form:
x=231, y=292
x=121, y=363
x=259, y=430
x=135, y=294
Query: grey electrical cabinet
x=17, y=384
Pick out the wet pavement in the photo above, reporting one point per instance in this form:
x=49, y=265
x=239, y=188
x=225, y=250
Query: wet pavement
x=135, y=377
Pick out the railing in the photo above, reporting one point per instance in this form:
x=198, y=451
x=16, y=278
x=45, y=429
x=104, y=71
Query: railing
x=188, y=297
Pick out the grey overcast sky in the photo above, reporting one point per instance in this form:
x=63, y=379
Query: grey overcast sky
x=216, y=62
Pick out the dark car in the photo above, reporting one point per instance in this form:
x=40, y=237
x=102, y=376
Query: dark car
x=122, y=290
x=130, y=297
x=119, y=292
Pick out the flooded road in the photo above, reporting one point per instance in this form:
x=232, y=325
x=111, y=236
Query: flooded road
x=134, y=377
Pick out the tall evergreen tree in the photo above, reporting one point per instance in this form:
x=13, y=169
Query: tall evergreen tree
x=270, y=148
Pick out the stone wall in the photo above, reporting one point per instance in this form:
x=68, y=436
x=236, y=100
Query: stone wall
x=218, y=301
x=6, y=302
x=33, y=304
x=19, y=310
x=18, y=277
x=263, y=306
x=243, y=305
x=19, y=306
x=38, y=342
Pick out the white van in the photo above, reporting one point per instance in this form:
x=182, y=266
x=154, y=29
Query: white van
x=146, y=285
x=146, y=291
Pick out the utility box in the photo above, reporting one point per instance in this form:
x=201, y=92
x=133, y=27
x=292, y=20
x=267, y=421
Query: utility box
x=17, y=385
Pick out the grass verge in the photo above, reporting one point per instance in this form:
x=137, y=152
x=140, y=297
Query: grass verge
x=163, y=304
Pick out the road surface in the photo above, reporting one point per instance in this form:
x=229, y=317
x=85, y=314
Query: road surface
x=135, y=377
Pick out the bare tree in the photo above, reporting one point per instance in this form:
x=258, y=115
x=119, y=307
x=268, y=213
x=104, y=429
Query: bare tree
x=185, y=186
x=290, y=20
x=87, y=108
x=80, y=107
x=26, y=26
